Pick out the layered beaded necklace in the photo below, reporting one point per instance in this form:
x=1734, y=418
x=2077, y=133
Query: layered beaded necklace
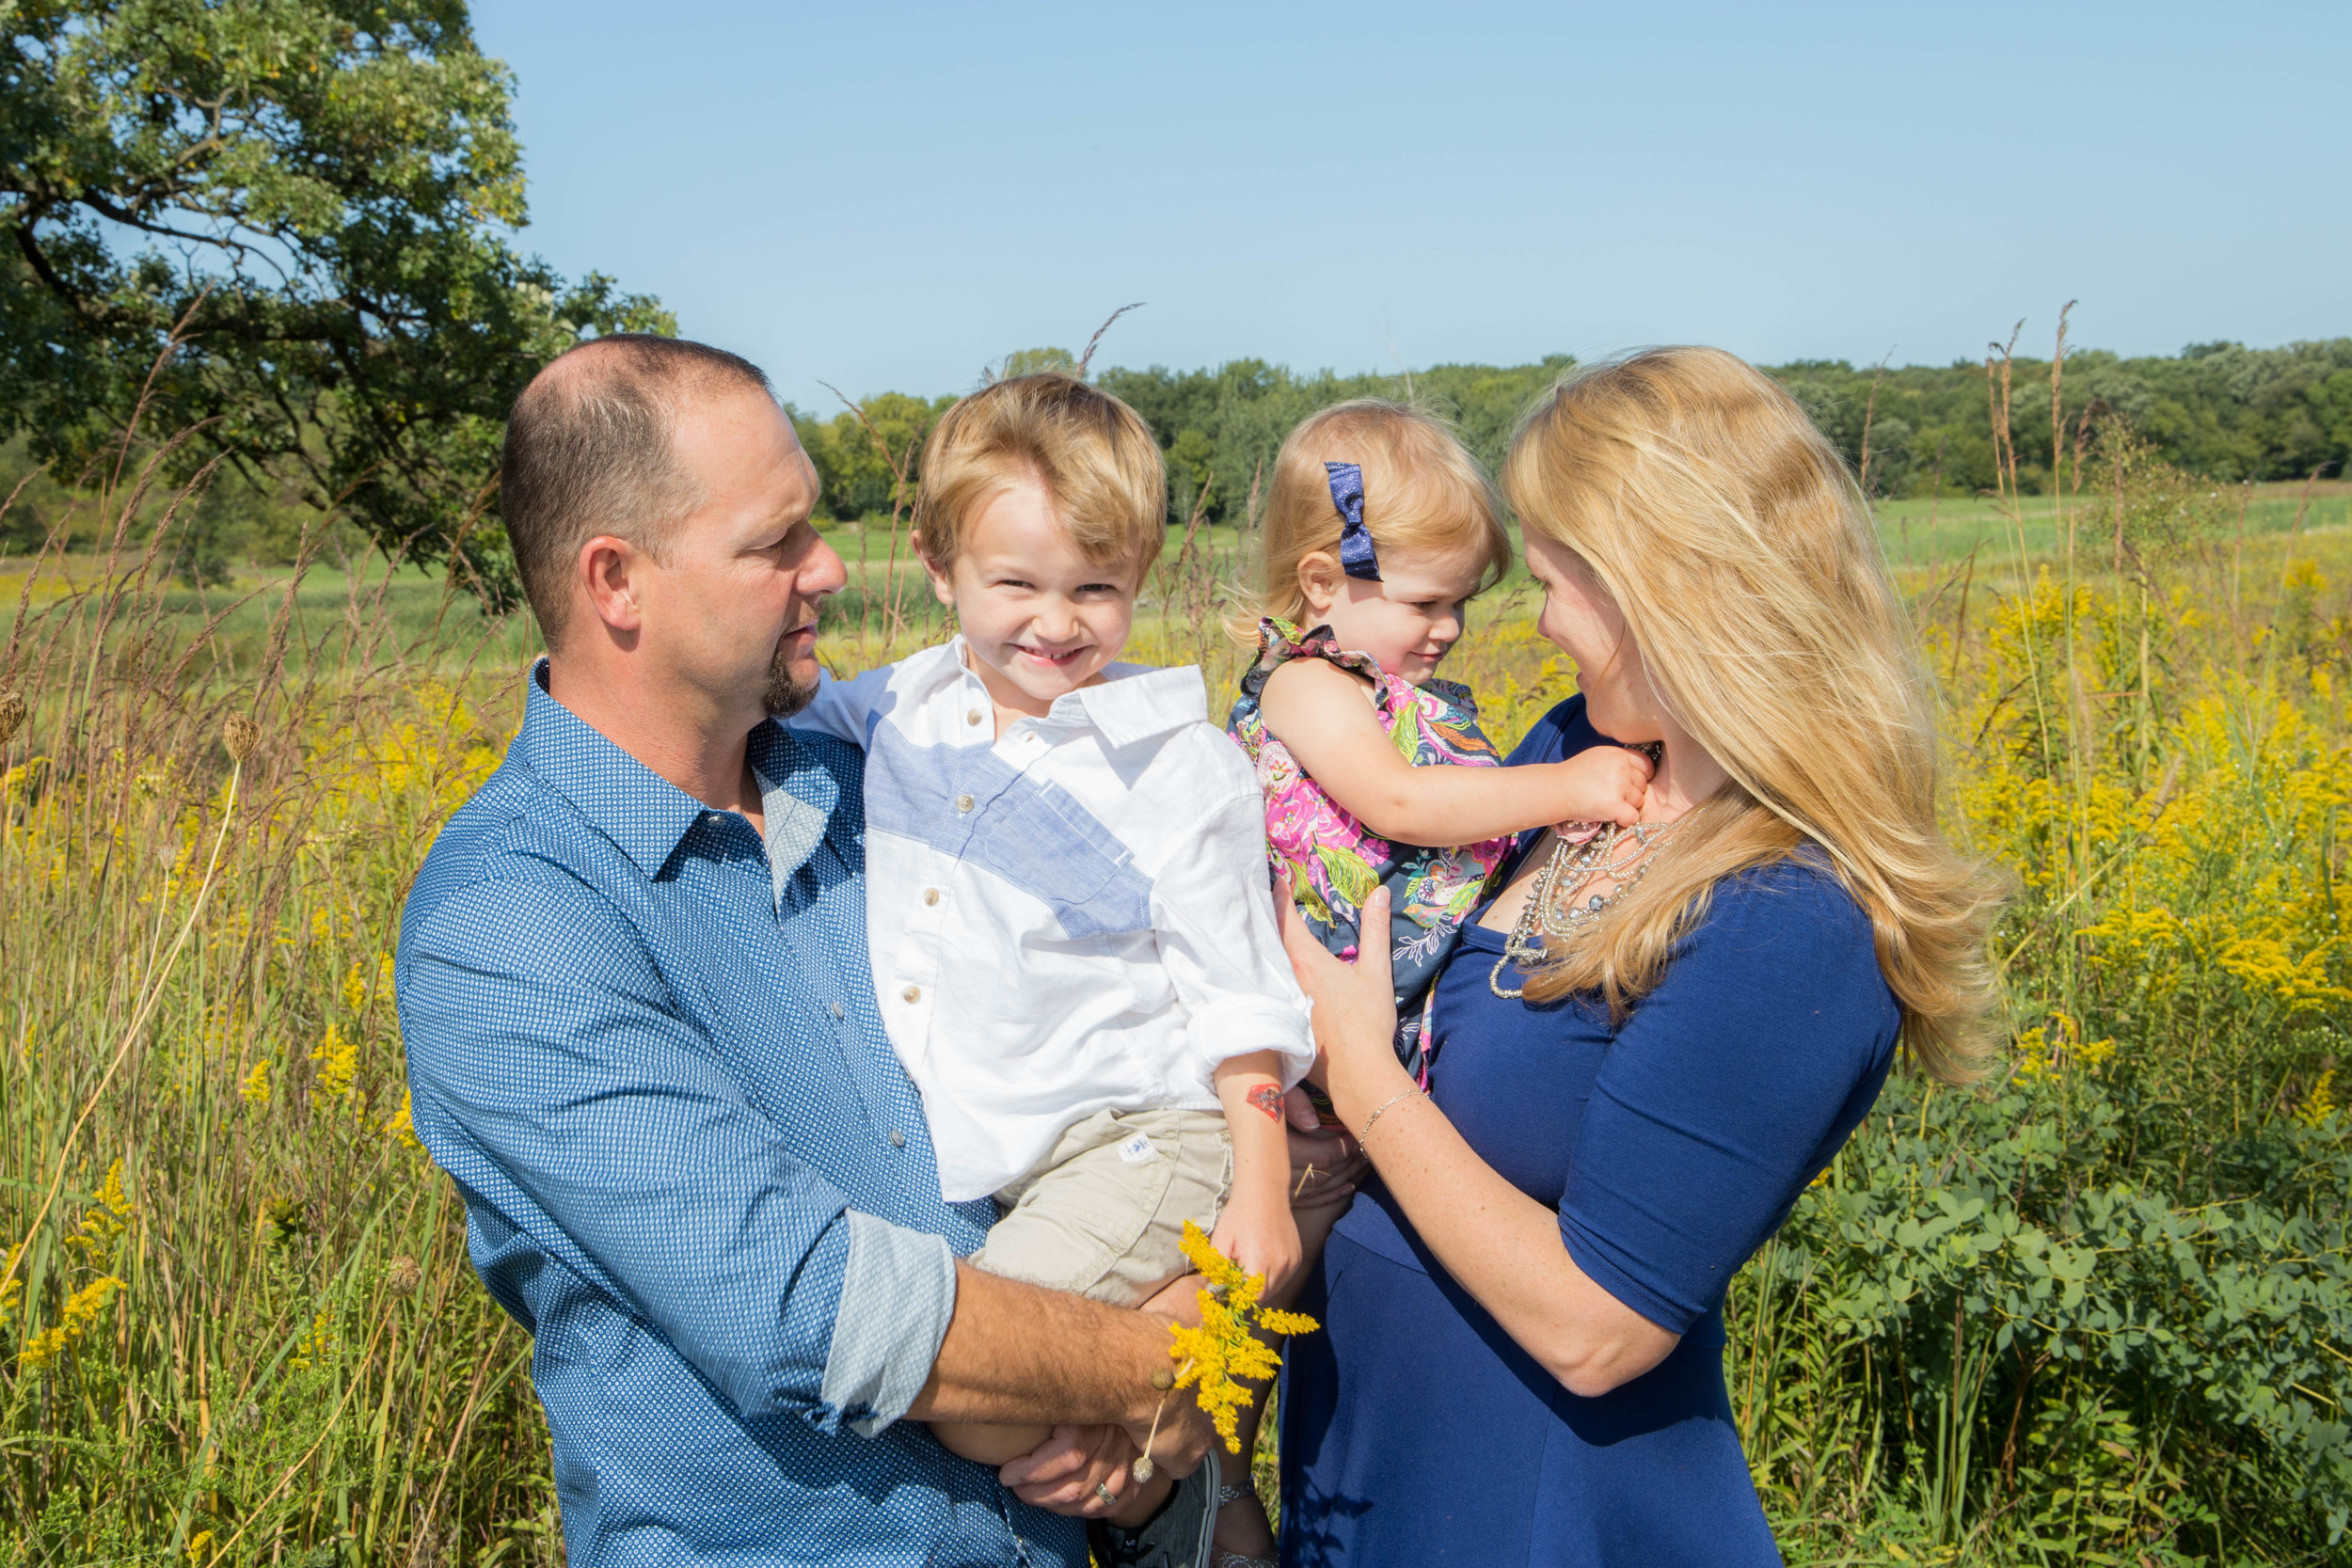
x=1553, y=909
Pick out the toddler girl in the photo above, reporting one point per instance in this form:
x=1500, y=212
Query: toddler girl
x=1379, y=529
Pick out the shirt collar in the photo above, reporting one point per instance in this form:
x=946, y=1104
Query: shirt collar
x=1134, y=703
x=644, y=813
x=796, y=795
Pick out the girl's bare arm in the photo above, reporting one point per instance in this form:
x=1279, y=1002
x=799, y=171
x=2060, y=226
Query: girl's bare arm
x=1321, y=713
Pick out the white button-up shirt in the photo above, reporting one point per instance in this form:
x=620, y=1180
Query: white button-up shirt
x=1069, y=917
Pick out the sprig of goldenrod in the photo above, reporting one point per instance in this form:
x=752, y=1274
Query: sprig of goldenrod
x=1220, y=1358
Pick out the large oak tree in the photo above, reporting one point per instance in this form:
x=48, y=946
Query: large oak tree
x=320, y=197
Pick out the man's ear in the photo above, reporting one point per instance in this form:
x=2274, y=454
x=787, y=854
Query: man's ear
x=943, y=586
x=606, y=575
x=1319, y=581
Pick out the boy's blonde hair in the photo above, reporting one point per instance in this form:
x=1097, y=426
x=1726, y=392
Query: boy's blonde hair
x=1736, y=543
x=1093, y=454
x=1423, y=492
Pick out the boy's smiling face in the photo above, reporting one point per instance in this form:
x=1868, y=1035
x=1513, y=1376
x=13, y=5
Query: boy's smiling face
x=1041, y=620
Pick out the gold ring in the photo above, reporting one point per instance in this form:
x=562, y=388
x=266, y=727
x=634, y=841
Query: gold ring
x=1105, y=1493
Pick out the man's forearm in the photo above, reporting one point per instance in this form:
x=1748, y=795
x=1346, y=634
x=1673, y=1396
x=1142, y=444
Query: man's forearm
x=1018, y=1352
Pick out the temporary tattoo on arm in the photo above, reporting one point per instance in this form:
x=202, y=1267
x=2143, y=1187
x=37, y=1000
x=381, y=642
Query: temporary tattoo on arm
x=1266, y=1097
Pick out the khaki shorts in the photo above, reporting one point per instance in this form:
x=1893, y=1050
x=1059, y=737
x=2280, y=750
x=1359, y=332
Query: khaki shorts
x=1103, y=1215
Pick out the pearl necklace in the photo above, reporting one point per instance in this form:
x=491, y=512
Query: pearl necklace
x=1552, y=910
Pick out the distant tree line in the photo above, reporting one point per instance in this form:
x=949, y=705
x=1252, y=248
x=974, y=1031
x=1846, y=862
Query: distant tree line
x=2219, y=410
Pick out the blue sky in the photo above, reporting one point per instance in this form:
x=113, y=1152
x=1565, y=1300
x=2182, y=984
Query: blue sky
x=889, y=197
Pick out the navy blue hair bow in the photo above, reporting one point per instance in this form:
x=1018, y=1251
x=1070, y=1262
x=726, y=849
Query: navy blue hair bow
x=1357, y=557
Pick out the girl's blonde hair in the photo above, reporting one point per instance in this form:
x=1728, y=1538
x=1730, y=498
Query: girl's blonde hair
x=1736, y=543
x=1423, y=492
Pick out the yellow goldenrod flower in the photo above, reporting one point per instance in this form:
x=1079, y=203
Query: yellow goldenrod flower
x=2320, y=1104
x=1218, y=1359
x=355, y=988
x=15, y=1290
x=339, y=1062
x=105, y=1219
x=255, y=1089
x=83, y=1309
x=402, y=1125
x=318, y=1344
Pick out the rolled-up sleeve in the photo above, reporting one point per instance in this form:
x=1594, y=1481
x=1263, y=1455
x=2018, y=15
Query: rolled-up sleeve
x=1213, y=913
x=553, y=1076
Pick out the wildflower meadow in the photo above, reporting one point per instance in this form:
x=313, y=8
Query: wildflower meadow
x=2096, y=1309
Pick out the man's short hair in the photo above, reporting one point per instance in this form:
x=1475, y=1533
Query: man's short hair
x=591, y=448
x=1092, y=453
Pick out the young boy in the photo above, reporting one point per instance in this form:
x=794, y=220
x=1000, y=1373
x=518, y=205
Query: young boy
x=1073, y=941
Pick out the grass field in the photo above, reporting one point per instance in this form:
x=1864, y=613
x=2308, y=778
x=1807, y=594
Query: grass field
x=2098, y=1309
x=1928, y=534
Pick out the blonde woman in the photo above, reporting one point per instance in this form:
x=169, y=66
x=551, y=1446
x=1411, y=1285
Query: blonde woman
x=1648, y=1043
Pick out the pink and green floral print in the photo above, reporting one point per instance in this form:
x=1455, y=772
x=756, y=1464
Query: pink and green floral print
x=1333, y=860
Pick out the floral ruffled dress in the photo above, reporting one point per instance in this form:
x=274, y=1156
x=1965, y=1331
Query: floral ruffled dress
x=1334, y=861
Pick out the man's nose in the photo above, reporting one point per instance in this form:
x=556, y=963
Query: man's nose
x=822, y=575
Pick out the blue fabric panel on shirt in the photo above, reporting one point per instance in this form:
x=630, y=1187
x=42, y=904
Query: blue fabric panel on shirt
x=1035, y=835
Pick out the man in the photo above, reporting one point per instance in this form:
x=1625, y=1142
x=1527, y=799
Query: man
x=642, y=1038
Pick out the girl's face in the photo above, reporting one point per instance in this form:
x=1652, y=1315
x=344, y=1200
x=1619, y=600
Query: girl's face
x=1582, y=619
x=1409, y=620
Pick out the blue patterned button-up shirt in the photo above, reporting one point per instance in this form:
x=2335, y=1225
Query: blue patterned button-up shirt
x=646, y=1046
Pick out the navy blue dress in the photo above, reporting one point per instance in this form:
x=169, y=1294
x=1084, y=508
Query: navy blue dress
x=1414, y=1429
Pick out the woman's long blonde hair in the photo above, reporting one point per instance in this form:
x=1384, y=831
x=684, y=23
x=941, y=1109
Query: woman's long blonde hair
x=1738, y=547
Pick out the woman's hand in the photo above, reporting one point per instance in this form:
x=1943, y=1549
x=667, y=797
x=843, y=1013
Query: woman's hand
x=1061, y=1476
x=1354, y=1007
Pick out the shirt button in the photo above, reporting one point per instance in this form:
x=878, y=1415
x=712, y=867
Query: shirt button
x=912, y=993
x=836, y=1007
x=973, y=717
x=930, y=895
x=898, y=1139
x=963, y=804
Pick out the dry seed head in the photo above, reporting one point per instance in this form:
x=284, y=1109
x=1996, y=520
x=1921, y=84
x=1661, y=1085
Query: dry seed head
x=240, y=735
x=12, y=715
x=402, y=1275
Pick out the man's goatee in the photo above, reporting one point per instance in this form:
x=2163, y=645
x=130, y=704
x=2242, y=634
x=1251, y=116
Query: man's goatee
x=785, y=695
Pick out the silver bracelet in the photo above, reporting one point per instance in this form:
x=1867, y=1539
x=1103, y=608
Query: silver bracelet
x=1364, y=1134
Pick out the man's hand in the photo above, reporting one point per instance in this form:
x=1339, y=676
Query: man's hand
x=1018, y=1353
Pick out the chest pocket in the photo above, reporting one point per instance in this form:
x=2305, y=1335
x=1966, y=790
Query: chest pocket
x=1038, y=837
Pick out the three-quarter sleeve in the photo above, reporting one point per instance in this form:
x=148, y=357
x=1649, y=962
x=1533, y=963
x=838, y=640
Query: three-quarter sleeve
x=1727, y=1089
x=1213, y=919
x=551, y=1073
